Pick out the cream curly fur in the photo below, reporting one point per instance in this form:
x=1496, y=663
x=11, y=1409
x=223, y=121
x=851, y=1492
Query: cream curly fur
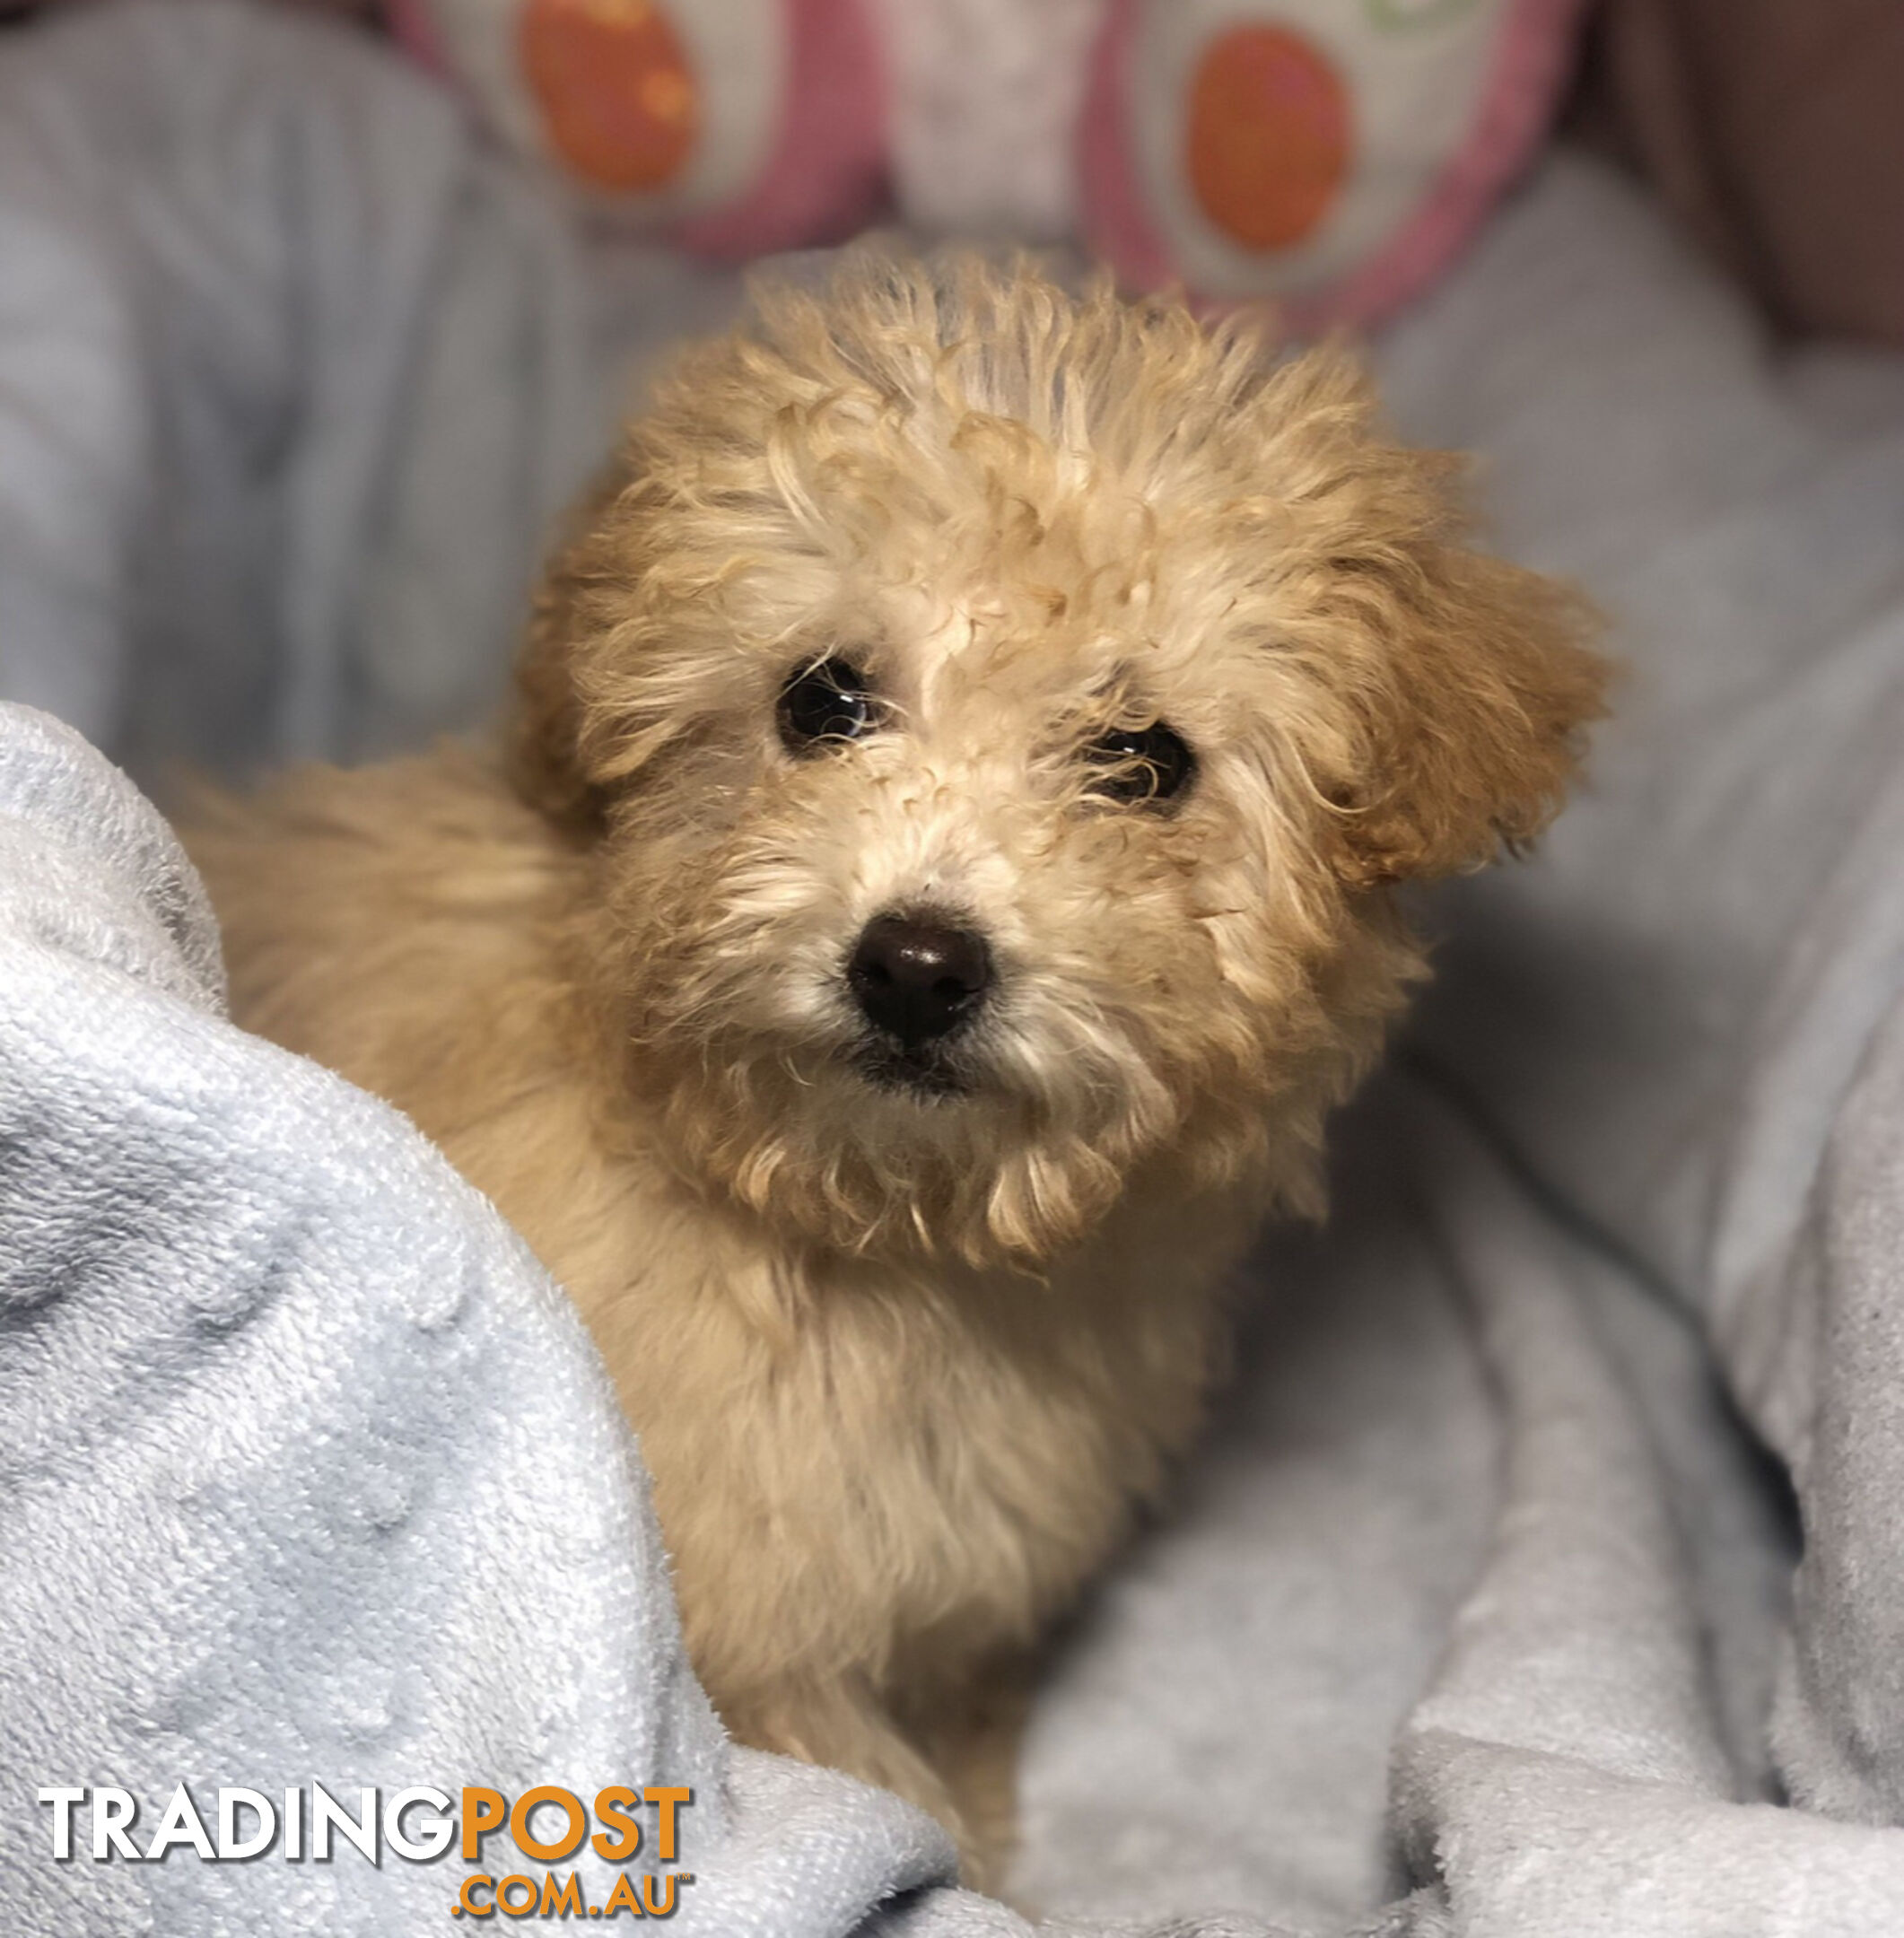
x=902, y=1365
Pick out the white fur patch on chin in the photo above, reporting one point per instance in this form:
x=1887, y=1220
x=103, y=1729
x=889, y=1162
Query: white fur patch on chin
x=986, y=99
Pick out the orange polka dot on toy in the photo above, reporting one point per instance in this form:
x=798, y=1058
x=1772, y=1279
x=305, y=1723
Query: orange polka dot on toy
x=618, y=95
x=1268, y=135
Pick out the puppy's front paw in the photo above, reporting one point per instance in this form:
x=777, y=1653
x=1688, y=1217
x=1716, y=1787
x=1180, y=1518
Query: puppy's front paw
x=844, y=1725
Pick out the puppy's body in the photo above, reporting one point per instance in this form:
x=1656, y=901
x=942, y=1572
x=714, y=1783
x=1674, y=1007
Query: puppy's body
x=1115, y=677
x=876, y=1476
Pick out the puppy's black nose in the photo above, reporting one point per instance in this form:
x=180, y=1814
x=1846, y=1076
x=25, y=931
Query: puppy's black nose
x=918, y=980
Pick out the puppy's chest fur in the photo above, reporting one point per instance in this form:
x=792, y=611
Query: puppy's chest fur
x=859, y=1466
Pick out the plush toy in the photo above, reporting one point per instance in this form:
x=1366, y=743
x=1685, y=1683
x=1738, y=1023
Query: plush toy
x=1328, y=155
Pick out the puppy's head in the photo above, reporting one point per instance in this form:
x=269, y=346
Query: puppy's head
x=999, y=719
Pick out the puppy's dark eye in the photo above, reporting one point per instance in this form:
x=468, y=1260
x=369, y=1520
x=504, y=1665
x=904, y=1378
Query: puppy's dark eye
x=1141, y=765
x=831, y=699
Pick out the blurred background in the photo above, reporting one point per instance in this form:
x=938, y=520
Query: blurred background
x=316, y=311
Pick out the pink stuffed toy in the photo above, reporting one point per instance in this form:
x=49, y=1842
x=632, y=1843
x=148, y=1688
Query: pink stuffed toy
x=1330, y=155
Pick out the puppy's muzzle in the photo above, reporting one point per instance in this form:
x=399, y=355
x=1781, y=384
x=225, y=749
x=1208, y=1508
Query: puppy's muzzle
x=918, y=980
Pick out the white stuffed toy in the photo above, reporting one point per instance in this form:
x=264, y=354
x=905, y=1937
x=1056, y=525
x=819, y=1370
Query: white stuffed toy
x=1328, y=155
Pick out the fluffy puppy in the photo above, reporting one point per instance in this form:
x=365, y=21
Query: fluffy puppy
x=937, y=881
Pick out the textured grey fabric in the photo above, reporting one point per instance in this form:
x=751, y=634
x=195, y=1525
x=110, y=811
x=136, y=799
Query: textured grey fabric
x=295, y=374
x=306, y=1469
x=1679, y=1018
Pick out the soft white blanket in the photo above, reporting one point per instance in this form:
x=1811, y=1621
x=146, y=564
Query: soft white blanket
x=307, y=1472
x=292, y=375
x=1478, y=1604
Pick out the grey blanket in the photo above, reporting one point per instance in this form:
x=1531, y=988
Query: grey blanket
x=292, y=375
x=306, y=1472
x=1481, y=1609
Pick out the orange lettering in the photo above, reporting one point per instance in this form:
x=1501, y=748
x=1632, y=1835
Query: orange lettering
x=483, y=1811
x=623, y=1897
x=531, y=1845
x=613, y=1808
x=668, y=1801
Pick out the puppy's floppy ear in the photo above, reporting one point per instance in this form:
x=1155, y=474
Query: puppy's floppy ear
x=545, y=732
x=545, y=750
x=1469, y=717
